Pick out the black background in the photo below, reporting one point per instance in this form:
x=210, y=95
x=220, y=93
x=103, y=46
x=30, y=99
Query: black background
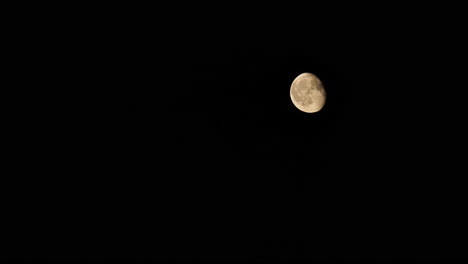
x=148, y=140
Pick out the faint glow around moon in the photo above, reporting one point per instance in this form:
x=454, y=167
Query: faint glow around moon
x=307, y=93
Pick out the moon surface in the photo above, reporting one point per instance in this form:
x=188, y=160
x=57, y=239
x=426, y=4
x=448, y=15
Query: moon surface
x=307, y=93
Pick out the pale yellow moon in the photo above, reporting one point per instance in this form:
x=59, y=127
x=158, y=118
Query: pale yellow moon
x=307, y=93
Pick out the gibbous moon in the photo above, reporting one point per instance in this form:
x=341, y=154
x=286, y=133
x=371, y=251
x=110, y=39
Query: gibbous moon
x=307, y=93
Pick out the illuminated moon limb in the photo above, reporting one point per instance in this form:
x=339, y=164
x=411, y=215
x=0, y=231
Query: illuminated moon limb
x=307, y=93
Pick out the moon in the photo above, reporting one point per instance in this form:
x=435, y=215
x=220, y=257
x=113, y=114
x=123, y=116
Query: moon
x=307, y=93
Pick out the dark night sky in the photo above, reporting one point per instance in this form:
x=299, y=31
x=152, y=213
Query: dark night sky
x=189, y=146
